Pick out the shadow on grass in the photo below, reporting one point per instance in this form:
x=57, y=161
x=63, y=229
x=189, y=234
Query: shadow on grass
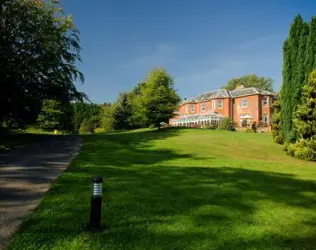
x=159, y=207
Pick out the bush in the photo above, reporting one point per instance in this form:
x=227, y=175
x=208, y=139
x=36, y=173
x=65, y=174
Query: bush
x=249, y=130
x=304, y=149
x=226, y=124
x=86, y=127
x=278, y=139
x=152, y=126
x=254, y=127
x=99, y=130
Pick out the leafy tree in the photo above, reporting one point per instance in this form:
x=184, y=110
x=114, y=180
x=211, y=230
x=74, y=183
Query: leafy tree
x=107, y=117
x=294, y=74
x=157, y=99
x=39, y=51
x=251, y=80
x=122, y=112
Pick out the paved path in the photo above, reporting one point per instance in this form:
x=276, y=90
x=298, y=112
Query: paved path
x=26, y=174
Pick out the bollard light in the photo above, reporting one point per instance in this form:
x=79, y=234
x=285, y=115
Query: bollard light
x=96, y=205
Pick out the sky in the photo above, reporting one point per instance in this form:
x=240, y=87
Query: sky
x=201, y=43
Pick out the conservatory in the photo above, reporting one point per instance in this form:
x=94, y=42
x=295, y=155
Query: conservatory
x=197, y=120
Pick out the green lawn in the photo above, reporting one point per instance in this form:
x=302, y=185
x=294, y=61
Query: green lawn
x=180, y=189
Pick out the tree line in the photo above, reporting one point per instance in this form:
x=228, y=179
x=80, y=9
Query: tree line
x=294, y=121
x=150, y=103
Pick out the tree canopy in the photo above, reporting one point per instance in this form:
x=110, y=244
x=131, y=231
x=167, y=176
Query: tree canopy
x=251, y=80
x=39, y=51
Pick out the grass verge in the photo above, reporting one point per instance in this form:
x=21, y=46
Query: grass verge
x=179, y=189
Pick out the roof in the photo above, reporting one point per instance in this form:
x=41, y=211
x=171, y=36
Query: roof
x=223, y=93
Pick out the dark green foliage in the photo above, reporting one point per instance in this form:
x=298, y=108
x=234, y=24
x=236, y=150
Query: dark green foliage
x=39, y=49
x=296, y=59
x=226, y=124
x=122, y=113
x=251, y=80
x=86, y=113
x=254, y=127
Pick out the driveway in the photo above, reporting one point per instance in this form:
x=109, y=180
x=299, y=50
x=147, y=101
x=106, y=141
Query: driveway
x=27, y=173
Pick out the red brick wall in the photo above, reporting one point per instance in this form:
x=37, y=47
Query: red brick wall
x=252, y=109
x=268, y=109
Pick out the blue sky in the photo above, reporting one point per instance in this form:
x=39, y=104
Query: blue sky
x=202, y=44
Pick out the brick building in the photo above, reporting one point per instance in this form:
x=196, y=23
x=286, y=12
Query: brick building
x=243, y=105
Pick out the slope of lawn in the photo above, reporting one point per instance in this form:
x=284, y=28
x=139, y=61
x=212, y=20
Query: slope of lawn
x=180, y=189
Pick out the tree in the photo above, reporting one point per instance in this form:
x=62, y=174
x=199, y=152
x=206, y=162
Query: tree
x=157, y=99
x=276, y=128
x=53, y=115
x=251, y=80
x=122, y=112
x=107, y=116
x=305, y=123
x=88, y=113
x=294, y=74
x=39, y=51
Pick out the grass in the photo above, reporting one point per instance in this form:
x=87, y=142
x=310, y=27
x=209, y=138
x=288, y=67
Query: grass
x=180, y=189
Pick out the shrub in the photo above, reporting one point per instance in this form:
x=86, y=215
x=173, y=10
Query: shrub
x=99, y=130
x=86, y=127
x=226, y=124
x=304, y=149
x=254, y=127
x=152, y=126
x=249, y=130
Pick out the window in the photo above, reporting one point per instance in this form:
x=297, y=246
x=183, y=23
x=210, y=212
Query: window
x=187, y=108
x=192, y=107
x=265, y=101
x=265, y=119
x=244, y=103
x=220, y=104
x=203, y=107
x=213, y=104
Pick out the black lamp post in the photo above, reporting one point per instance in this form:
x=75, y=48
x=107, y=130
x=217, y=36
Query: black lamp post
x=96, y=205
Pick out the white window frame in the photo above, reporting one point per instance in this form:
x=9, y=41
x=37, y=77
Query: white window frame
x=242, y=103
x=203, y=106
x=213, y=104
x=265, y=101
x=192, y=107
x=220, y=104
x=187, y=108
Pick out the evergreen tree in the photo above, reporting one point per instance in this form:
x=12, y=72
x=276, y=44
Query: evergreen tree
x=122, y=113
x=276, y=128
x=310, y=55
x=305, y=116
x=305, y=123
x=293, y=75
